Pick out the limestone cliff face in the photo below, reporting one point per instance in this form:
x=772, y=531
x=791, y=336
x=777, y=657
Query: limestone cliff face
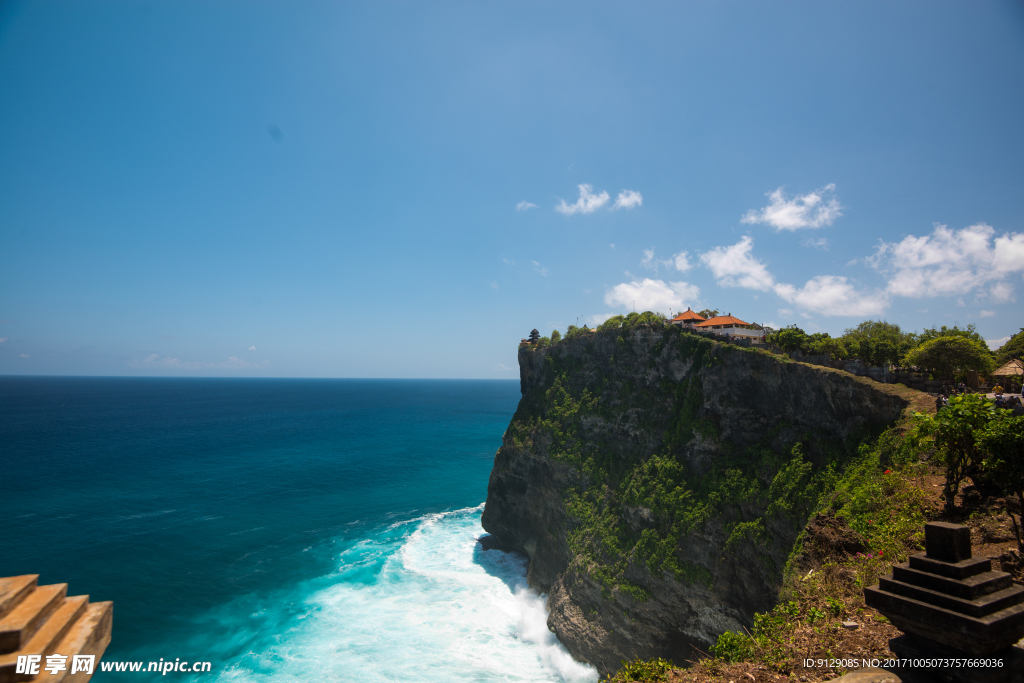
x=650, y=475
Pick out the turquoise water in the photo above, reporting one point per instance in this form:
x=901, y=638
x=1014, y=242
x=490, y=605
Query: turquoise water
x=280, y=529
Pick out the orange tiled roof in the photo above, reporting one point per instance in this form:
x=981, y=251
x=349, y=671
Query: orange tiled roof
x=687, y=315
x=723, y=320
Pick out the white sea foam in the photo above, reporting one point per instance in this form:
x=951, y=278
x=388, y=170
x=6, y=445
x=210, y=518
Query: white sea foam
x=421, y=601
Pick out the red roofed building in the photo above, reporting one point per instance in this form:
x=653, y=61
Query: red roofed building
x=688, y=318
x=730, y=325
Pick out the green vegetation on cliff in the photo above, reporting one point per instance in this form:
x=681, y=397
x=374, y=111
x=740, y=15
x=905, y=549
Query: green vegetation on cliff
x=748, y=491
x=881, y=499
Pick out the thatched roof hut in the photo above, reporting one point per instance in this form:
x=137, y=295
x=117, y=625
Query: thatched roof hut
x=1015, y=368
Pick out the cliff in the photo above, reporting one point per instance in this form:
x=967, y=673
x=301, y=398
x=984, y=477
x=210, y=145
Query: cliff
x=658, y=480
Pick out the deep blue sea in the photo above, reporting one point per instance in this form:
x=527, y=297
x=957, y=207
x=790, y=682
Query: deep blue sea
x=284, y=530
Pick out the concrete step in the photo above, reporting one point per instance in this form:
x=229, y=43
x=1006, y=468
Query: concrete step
x=13, y=590
x=953, y=570
x=20, y=623
x=969, y=588
x=90, y=635
x=976, y=635
x=979, y=607
x=42, y=643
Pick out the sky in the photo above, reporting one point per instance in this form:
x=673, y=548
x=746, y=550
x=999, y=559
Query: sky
x=399, y=189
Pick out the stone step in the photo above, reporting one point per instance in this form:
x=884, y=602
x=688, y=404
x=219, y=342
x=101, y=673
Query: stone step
x=18, y=625
x=13, y=590
x=953, y=570
x=90, y=635
x=976, y=635
x=42, y=643
x=970, y=588
x=979, y=607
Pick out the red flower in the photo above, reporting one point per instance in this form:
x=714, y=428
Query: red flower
x=888, y=471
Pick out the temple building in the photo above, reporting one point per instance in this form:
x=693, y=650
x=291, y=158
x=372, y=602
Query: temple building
x=687, y=319
x=730, y=325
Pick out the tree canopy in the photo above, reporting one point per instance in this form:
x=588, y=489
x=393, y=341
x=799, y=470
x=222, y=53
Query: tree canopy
x=790, y=339
x=947, y=355
x=1011, y=349
x=877, y=331
x=632, y=320
x=968, y=332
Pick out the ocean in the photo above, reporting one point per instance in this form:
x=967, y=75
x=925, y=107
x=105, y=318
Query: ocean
x=283, y=530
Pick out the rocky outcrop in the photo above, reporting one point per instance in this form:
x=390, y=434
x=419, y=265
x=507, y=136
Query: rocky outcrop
x=657, y=481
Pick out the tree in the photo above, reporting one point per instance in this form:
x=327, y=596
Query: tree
x=830, y=346
x=555, y=336
x=1011, y=349
x=878, y=330
x=612, y=323
x=934, y=333
x=878, y=343
x=956, y=430
x=946, y=355
x=1004, y=442
x=708, y=313
x=885, y=353
x=790, y=339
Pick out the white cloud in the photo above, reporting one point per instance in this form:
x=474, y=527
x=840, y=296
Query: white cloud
x=494, y=285
x=3, y=339
x=648, y=260
x=678, y=261
x=994, y=344
x=811, y=210
x=652, y=295
x=986, y=314
x=821, y=243
x=833, y=295
x=599, y=318
x=785, y=312
x=588, y=202
x=525, y=206
x=952, y=262
x=25, y=355
x=1002, y=292
x=735, y=267
x=612, y=245
x=252, y=348
x=540, y=269
x=681, y=262
x=628, y=199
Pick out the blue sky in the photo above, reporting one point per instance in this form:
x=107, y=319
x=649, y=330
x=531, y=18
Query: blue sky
x=385, y=189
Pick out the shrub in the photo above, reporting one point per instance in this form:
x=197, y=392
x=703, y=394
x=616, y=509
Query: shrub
x=652, y=671
x=1004, y=442
x=956, y=430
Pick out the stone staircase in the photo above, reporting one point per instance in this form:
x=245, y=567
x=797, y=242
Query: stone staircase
x=947, y=596
x=43, y=620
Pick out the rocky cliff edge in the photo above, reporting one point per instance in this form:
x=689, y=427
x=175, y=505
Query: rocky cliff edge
x=657, y=481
